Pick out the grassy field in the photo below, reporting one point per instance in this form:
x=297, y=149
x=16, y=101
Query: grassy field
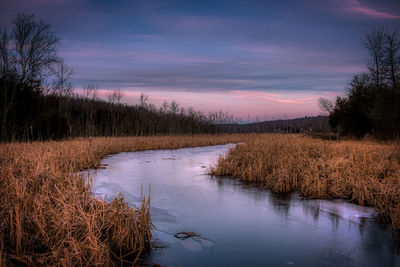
x=366, y=173
x=48, y=214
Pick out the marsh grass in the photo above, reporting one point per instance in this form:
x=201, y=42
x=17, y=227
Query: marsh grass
x=366, y=173
x=49, y=215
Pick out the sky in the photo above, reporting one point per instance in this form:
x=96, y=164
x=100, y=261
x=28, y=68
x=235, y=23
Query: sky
x=260, y=60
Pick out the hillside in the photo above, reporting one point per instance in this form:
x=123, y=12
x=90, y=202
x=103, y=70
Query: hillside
x=315, y=124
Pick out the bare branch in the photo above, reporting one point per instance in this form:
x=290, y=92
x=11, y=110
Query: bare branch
x=374, y=42
x=326, y=105
x=115, y=96
x=143, y=100
x=90, y=91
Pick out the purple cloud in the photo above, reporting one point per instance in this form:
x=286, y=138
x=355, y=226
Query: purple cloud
x=357, y=7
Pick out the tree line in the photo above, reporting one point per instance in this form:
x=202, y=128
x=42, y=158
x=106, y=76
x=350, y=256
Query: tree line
x=372, y=103
x=38, y=100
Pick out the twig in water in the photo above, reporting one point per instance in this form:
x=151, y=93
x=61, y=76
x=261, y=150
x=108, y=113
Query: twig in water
x=185, y=235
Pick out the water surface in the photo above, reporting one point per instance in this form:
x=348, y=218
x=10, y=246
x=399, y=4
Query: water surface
x=238, y=224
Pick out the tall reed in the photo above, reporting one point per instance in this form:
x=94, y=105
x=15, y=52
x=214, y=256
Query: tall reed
x=48, y=214
x=366, y=173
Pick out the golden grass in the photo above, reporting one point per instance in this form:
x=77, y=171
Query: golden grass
x=364, y=172
x=48, y=214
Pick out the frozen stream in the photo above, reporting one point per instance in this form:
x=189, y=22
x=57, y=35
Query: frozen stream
x=240, y=225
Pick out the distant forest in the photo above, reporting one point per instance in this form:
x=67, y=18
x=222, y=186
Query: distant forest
x=372, y=103
x=38, y=100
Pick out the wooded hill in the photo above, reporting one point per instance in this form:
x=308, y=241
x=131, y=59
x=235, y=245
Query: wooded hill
x=306, y=124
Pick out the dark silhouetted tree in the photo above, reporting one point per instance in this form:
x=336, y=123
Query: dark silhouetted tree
x=372, y=104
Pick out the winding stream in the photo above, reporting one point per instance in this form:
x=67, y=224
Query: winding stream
x=238, y=224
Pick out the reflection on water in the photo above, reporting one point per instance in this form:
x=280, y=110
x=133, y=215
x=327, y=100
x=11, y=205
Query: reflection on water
x=239, y=224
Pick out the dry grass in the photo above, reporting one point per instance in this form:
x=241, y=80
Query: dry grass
x=364, y=172
x=48, y=214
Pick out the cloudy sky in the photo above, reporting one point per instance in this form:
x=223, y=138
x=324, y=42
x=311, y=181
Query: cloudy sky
x=271, y=59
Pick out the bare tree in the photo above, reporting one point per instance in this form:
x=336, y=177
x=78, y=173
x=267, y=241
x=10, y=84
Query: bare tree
x=326, y=105
x=174, y=107
x=374, y=42
x=35, y=48
x=183, y=111
x=191, y=112
x=7, y=93
x=90, y=91
x=5, y=53
x=392, y=57
x=26, y=54
x=62, y=84
x=115, y=96
x=143, y=100
x=118, y=95
x=164, y=107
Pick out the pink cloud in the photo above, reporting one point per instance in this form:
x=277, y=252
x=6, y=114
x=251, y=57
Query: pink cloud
x=271, y=97
x=356, y=6
x=332, y=94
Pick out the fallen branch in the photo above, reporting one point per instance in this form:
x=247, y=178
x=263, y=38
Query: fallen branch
x=185, y=235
